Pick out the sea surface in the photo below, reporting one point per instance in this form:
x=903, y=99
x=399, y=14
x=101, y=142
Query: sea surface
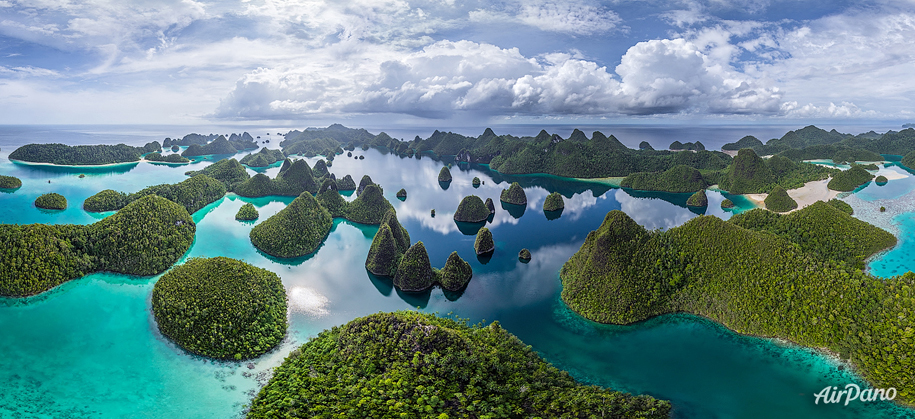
x=90, y=348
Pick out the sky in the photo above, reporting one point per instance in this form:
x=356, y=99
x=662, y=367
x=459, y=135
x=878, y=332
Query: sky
x=449, y=62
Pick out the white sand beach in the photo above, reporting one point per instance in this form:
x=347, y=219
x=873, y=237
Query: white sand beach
x=805, y=196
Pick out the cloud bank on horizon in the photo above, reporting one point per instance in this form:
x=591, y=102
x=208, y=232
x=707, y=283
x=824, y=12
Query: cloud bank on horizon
x=181, y=61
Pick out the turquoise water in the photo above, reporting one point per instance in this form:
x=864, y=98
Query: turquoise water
x=90, y=348
x=900, y=259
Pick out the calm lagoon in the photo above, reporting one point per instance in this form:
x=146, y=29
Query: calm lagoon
x=90, y=348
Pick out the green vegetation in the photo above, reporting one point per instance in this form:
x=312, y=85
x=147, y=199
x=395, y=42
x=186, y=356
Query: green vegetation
x=402, y=194
x=194, y=194
x=78, y=155
x=444, y=175
x=247, y=212
x=171, y=158
x=346, y=184
x=296, y=230
x=144, y=238
x=745, y=142
x=841, y=206
x=409, y=364
x=175, y=148
x=779, y=201
x=645, y=145
x=221, y=308
x=456, y=273
x=909, y=160
x=524, y=254
x=219, y=146
x=333, y=202
x=814, y=143
x=296, y=179
x=228, y=171
x=513, y=195
x=53, y=201
x=471, y=210
x=678, y=146
x=106, y=200
x=553, y=202
x=263, y=158
x=881, y=180
x=483, y=243
x=850, y=179
x=190, y=139
x=490, y=206
x=794, y=277
x=363, y=183
x=727, y=203
x=698, y=200
x=475, y=182
x=369, y=207
x=320, y=169
x=679, y=178
x=10, y=182
x=751, y=174
x=388, y=247
x=414, y=272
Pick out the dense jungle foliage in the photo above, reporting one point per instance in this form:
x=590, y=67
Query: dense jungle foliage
x=144, y=238
x=228, y=171
x=292, y=180
x=296, y=230
x=190, y=139
x=220, y=146
x=247, y=212
x=346, y=184
x=414, y=273
x=881, y=180
x=10, y=182
x=779, y=201
x=483, y=243
x=524, y=254
x=194, y=194
x=444, y=175
x=369, y=207
x=221, y=308
x=698, y=199
x=471, y=210
x=390, y=243
x=365, y=181
x=727, y=203
x=553, y=202
x=171, y=158
x=909, y=160
x=680, y=178
x=514, y=195
x=408, y=364
x=53, y=201
x=81, y=155
x=456, y=273
x=811, y=143
x=850, y=179
x=678, y=146
x=797, y=279
x=402, y=194
x=841, y=206
x=749, y=173
x=263, y=158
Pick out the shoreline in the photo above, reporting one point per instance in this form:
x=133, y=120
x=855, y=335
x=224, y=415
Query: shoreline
x=805, y=196
x=29, y=163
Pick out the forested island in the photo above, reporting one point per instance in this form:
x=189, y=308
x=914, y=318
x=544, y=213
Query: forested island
x=391, y=255
x=796, y=277
x=221, y=308
x=407, y=364
x=194, y=194
x=171, y=158
x=144, y=238
x=10, y=182
x=82, y=155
